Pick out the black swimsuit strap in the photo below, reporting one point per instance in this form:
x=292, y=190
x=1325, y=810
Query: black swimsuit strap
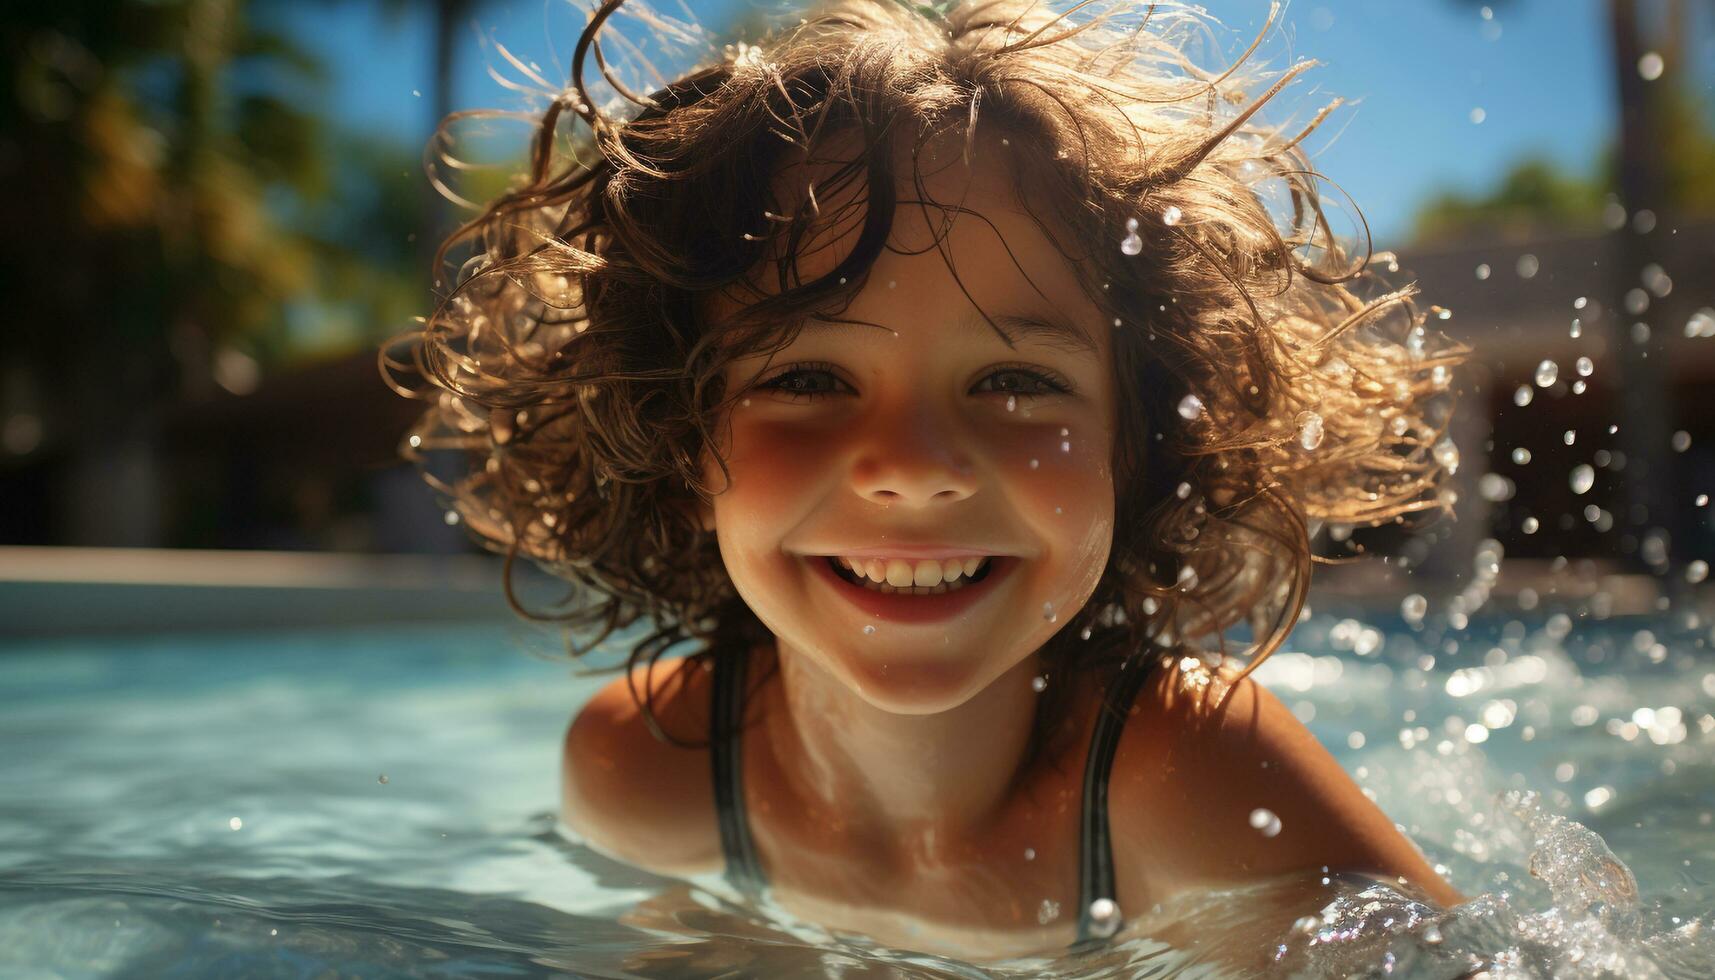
x=1095, y=844
x=743, y=869
x=1095, y=848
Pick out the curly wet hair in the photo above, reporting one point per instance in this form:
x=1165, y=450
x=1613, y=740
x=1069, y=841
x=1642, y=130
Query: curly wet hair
x=1268, y=378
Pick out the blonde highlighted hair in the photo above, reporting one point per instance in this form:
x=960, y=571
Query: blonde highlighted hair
x=1267, y=377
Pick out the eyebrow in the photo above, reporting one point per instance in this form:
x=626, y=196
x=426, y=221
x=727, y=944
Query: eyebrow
x=1047, y=329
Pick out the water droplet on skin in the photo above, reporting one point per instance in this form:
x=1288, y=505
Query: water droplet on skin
x=1265, y=822
x=1547, y=373
x=1583, y=478
x=1190, y=407
x=1039, y=684
x=1172, y=215
x=868, y=630
x=1310, y=431
x=1048, y=612
x=1523, y=395
x=1030, y=854
x=1012, y=403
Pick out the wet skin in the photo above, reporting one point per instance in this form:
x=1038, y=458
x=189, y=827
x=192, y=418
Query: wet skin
x=885, y=780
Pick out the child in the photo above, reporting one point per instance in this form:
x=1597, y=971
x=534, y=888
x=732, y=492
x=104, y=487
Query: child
x=943, y=376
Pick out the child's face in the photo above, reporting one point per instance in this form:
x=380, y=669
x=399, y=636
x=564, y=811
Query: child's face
x=931, y=437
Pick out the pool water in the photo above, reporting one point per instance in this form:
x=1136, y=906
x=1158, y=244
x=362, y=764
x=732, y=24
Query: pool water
x=380, y=801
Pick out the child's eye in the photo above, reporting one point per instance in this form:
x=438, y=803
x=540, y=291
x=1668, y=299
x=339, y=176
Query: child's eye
x=806, y=381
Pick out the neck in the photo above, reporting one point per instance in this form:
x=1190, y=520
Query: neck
x=902, y=781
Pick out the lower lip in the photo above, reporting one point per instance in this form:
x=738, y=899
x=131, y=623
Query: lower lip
x=900, y=607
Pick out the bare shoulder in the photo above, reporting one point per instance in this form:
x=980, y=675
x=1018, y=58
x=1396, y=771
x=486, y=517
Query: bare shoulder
x=633, y=796
x=1204, y=752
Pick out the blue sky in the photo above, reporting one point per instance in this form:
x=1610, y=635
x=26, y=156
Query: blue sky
x=1412, y=72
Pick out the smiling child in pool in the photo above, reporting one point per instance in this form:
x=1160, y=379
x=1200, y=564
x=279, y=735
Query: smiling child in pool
x=941, y=374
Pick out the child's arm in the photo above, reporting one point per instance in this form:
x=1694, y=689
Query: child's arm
x=632, y=797
x=1206, y=759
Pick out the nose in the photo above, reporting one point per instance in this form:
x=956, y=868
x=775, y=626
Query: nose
x=913, y=459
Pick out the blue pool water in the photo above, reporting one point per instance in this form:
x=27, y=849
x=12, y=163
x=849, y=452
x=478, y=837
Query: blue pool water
x=214, y=805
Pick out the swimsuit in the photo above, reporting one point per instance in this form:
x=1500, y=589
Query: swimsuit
x=1095, y=865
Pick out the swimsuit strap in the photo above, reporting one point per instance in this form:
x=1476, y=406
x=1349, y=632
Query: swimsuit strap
x=743, y=869
x=1095, y=846
x=1095, y=850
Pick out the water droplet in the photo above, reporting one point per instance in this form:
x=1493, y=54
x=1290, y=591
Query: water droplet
x=1104, y=917
x=1483, y=271
x=1577, y=328
x=1131, y=244
x=1702, y=500
x=1035, y=463
x=1547, y=373
x=1650, y=66
x=1527, y=266
x=1701, y=324
x=1637, y=301
x=1039, y=683
x=1183, y=490
x=1681, y=441
x=1012, y=403
x=1580, y=302
x=1413, y=607
x=1583, y=478
x=451, y=517
x=1523, y=395
x=1310, y=430
x=418, y=93
x=1521, y=456
x=236, y=823
x=382, y=779
x=1030, y=854
x=1265, y=822
x=1569, y=437
x=1585, y=366
x=1697, y=571
x=1530, y=524
x=868, y=629
x=1447, y=454
x=1578, y=387
x=1048, y=612
x=1478, y=115
x=1172, y=215
x=1432, y=934
x=1190, y=407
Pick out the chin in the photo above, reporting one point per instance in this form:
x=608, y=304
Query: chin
x=905, y=682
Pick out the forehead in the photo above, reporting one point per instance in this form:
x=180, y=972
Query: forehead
x=960, y=209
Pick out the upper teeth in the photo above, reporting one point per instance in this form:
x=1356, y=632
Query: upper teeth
x=902, y=573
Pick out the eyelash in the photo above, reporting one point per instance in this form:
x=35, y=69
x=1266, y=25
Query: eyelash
x=1044, y=379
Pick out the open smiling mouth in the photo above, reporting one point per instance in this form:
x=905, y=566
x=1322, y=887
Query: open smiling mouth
x=866, y=585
